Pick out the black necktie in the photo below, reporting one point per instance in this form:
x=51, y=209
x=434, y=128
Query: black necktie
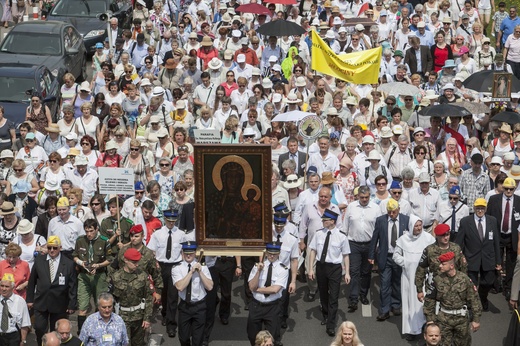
x=4, y=325
x=480, y=229
x=453, y=212
x=169, y=245
x=325, y=249
x=393, y=240
x=278, y=238
x=269, y=277
x=188, y=289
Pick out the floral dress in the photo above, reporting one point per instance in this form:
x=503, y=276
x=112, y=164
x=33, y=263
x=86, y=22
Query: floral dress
x=348, y=183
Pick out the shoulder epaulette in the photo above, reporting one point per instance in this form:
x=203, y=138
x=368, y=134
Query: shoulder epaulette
x=283, y=266
x=345, y=234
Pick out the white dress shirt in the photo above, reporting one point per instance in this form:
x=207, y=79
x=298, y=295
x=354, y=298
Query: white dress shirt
x=198, y=291
x=338, y=245
x=279, y=277
x=159, y=242
x=360, y=221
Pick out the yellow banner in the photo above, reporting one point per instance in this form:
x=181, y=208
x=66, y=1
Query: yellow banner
x=358, y=67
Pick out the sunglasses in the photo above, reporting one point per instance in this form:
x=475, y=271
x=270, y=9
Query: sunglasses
x=53, y=161
x=421, y=153
x=18, y=170
x=509, y=188
x=178, y=189
x=95, y=204
x=71, y=157
x=397, y=192
x=292, y=180
x=52, y=247
x=454, y=198
x=381, y=184
x=29, y=140
x=390, y=103
x=164, y=164
x=86, y=143
x=134, y=149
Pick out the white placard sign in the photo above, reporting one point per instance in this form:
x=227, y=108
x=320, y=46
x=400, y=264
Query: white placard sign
x=118, y=181
x=203, y=136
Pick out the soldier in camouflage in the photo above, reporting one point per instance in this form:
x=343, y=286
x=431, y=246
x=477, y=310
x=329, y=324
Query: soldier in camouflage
x=457, y=295
x=118, y=234
x=92, y=255
x=131, y=289
x=429, y=263
x=147, y=263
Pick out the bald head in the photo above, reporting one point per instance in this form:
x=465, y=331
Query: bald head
x=51, y=339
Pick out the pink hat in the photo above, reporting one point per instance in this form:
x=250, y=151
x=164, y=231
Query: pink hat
x=463, y=50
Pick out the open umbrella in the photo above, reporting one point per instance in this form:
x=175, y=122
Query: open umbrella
x=483, y=82
x=357, y=20
x=444, y=110
x=507, y=117
x=291, y=116
x=399, y=88
x=253, y=8
x=473, y=107
x=280, y=27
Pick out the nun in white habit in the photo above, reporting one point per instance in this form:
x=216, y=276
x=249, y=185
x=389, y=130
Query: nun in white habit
x=408, y=251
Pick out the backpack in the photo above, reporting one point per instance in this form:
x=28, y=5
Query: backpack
x=244, y=125
x=393, y=152
x=511, y=143
x=367, y=169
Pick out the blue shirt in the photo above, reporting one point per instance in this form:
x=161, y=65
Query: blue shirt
x=508, y=26
x=97, y=332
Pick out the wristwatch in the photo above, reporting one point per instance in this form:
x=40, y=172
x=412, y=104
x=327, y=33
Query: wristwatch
x=24, y=341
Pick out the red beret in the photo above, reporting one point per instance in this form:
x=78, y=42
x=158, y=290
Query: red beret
x=441, y=229
x=136, y=229
x=132, y=255
x=448, y=256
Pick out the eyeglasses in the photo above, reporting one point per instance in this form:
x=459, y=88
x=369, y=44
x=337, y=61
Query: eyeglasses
x=298, y=70
x=134, y=149
x=421, y=153
x=52, y=247
x=179, y=189
x=230, y=75
x=139, y=192
x=252, y=117
x=408, y=99
x=164, y=164
x=86, y=143
x=29, y=140
x=53, y=161
x=95, y=204
x=390, y=103
x=454, y=198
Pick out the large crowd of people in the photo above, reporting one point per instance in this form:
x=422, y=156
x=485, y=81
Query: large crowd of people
x=430, y=203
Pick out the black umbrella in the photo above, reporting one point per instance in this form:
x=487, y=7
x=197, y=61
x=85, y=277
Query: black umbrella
x=483, y=82
x=280, y=27
x=444, y=110
x=507, y=117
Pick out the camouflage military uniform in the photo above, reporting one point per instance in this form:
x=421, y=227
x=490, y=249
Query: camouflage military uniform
x=91, y=285
x=108, y=227
x=147, y=263
x=429, y=264
x=133, y=294
x=456, y=295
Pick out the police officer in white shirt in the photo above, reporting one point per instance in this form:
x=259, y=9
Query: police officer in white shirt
x=330, y=249
x=14, y=314
x=267, y=281
x=166, y=245
x=289, y=254
x=192, y=280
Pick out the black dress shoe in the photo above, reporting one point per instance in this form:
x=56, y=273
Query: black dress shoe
x=364, y=300
x=383, y=317
x=163, y=322
x=352, y=307
x=409, y=337
x=485, y=306
x=331, y=332
x=396, y=312
x=323, y=322
x=283, y=324
x=311, y=297
x=171, y=333
x=246, y=307
x=224, y=321
x=205, y=343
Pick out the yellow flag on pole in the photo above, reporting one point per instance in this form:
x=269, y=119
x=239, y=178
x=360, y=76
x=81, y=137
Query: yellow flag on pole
x=358, y=67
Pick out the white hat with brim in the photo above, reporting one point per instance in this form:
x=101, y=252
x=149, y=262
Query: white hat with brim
x=295, y=182
x=25, y=227
x=111, y=144
x=51, y=185
x=373, y=155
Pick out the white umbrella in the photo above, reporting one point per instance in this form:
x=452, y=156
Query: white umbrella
x=292, y=116
x=399, y=88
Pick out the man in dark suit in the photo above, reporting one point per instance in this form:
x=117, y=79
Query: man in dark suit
x=426, y=61
x=388, y=228
x=505, y=207
x=297, y=156
x=479, y=241
x=52, y=289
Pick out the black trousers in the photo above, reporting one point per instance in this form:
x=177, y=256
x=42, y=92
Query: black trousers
x=328, y=276
x=10, y=339
x=211, y=305
x=44, y=319
x=225, y=267
x=284, y=301
x=248, y=262
x=169, y=297
x=263, y=316
x=192, y=318
x=484, y=279
x=360, y=271
x=506, y=246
